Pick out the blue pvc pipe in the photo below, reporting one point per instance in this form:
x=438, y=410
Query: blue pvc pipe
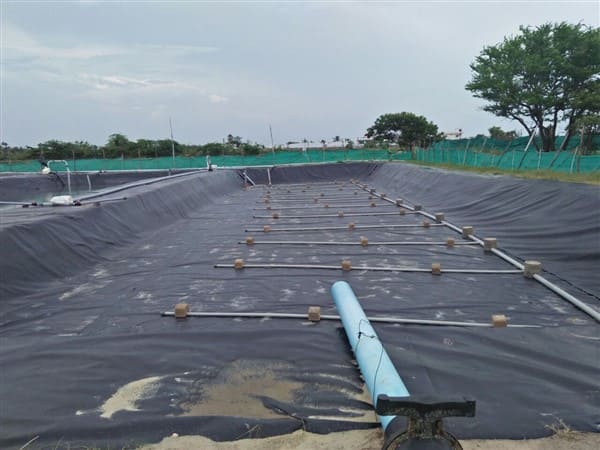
x=375, y=365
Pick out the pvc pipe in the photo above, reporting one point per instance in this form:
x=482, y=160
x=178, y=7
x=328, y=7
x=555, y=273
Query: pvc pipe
x=137, y=184
x=106, y=200
x=320, y=206
x=17, y=203
x=369, y=268
x=387, y=199
x=303, y=191
x=317, y=183
x=310, y=198
x=354, y=243
x=315, y=216
x=311, y=188
x=397, y=320
x=357, y=227
x=289, y=203
x=66, y=164
x=507, y=258
x=378, y=371
x=594, y=314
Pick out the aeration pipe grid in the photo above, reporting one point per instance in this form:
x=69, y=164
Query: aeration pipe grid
x=593, y=313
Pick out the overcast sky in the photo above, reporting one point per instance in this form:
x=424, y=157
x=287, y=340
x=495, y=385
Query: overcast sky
x=83, y=70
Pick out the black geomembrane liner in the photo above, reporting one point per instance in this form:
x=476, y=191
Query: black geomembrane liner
x=83, y=288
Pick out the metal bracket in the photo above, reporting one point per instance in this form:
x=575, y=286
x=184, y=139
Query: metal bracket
x=425, y=416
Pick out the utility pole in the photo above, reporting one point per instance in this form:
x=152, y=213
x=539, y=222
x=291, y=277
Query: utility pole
x=272, y=144
x=172, y=143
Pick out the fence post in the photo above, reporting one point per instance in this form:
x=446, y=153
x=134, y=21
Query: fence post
x=481, y=149
x=527, y=148
x=466, y=151
x=573, y=159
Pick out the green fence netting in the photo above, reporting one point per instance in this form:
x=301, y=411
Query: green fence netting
x=476, y=152
x=182, y=162
x=513, y=160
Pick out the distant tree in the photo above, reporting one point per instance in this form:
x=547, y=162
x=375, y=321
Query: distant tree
x=213, y=149
x=5, y=150
x=501, y=135
x=234, y=141
x=146, y=148
x=118, y=145
x=541, y=78
x=405, y=128
x=163, y=147
x=54, y=149
x=250, y=149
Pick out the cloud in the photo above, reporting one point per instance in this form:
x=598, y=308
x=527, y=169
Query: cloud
x=16, y=43
x=214, y=98
x=180, y=48
x=103, y=82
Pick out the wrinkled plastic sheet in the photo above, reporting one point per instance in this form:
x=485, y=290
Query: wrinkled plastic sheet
x=83, y=289
x=41, y=187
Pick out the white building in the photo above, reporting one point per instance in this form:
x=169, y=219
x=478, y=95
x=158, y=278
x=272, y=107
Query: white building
x=453, y=135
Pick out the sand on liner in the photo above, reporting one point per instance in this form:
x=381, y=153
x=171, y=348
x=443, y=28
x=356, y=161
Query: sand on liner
x=126, y=397
x=372, y=440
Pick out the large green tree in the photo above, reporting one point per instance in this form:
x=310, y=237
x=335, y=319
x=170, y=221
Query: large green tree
x=543, y=77
x=405, y=128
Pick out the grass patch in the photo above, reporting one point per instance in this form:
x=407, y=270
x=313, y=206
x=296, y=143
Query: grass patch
x=587, y=178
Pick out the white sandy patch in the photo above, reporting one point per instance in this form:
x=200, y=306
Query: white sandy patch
x=371, y=439
x=127, y=396
x=237, y=390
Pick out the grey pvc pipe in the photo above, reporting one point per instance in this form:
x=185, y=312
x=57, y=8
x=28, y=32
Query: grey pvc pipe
x=398, y=320
x=106, y=200
x=354, y=243
x=322, y=200
x=357, y=227
x=311, y=197
x=17, y=203
x=137, y=184
x=315, y=216
x=320, y=206
x=594, y=314
x=369, y=268
x=387, y=199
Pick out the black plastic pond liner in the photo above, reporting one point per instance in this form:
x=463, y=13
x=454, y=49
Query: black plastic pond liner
x=83, y=289
x=553, y=222
x=35, y=187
